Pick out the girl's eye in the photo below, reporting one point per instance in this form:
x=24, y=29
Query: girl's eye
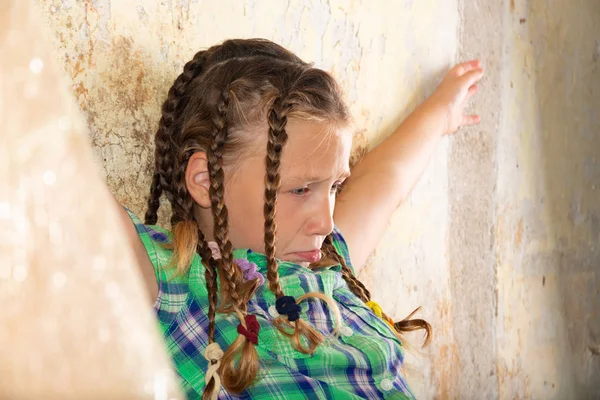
x=300, y=192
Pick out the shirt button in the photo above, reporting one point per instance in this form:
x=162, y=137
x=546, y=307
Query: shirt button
x=273, y=312
x=387, y=385
x=346, y=331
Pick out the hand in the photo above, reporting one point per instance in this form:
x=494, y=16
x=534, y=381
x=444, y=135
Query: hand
x=451, y=96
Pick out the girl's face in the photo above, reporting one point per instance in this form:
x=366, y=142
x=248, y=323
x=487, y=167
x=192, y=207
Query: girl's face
x=314, y=162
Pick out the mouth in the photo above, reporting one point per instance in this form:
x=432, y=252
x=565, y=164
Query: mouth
x=311, y=256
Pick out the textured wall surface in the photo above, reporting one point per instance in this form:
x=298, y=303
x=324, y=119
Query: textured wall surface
x=472, y=180
x=524, y=227
x=499, y=241
x=547, y=222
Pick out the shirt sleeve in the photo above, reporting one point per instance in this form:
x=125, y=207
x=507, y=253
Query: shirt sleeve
x=153, y=239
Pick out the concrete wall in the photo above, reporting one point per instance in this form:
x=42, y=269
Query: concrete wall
x=524, y=204
x=547, y=208
x=498, y=242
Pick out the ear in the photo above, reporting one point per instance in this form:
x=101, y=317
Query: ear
x=197, y=179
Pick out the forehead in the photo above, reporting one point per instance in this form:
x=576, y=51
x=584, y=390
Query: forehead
x=315, y=150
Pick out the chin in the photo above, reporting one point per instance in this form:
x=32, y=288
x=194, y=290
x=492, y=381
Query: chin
x=304, y=264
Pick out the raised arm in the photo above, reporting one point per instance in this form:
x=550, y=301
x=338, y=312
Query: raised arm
x=385, y=177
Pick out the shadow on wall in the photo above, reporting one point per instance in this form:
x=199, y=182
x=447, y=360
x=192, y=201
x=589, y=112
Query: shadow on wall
x=566, y=48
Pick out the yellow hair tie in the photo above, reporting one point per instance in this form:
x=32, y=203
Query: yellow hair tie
x=376, y=308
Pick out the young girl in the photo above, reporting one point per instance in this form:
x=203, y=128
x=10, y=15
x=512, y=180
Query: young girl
x=255, y=286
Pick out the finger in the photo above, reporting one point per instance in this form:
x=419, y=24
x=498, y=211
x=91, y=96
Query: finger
x=472, y=77
x=472, y=90
x=463, y=68
x=470, y=119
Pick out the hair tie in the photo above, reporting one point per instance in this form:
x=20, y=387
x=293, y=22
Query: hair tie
x=377, y=310
x=214, y=249
x=286, y=305
x=213, y=355
x=249, y=270
x=250, y=332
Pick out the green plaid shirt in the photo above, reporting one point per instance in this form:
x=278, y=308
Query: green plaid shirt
x=363, y=362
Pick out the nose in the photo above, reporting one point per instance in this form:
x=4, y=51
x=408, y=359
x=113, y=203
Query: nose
x=321, y=222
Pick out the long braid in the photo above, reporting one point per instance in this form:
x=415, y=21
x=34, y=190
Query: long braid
x=239, y=365
x=164, y=151
x=231, y=274
x=191, y=237
x=277, y=138
x=182, y=203
x=359, y=289
x=169, y=177
x=185, y=215
x=354, y=284
x=210, y=274
x=277, y=119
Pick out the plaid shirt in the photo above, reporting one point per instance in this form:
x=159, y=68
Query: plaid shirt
x=363, y=362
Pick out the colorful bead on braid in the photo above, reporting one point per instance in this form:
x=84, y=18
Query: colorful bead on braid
x=286, y=305
x=250, y=331
x=376, y=308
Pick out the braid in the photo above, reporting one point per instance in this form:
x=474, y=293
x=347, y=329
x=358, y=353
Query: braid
x=164, y=151
x=277, y=138
x=156, y=190
x=181, y=201
x=354, y=284
x=231, y=273
x=240, y=364
x=210, y=274
x=277, y=118
x=189, y=235
x=359, y=289
x=188, y=228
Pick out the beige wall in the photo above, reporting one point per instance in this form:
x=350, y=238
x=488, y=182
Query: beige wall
x=502, y=258
x=548, y=208
x=524, y=239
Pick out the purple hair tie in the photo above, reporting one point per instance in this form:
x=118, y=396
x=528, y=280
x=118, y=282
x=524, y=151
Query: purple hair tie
x=249, y=270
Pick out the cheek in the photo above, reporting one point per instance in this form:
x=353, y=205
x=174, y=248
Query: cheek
x=290, y=218
x=245, y=214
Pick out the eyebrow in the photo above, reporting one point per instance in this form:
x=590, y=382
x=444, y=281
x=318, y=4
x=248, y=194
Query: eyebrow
x=316, y=179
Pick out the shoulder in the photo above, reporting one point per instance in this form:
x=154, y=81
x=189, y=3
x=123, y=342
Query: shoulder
x=173, y=288
x=155, y=241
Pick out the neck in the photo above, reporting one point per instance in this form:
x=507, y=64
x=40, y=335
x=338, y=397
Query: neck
x=204, y=219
